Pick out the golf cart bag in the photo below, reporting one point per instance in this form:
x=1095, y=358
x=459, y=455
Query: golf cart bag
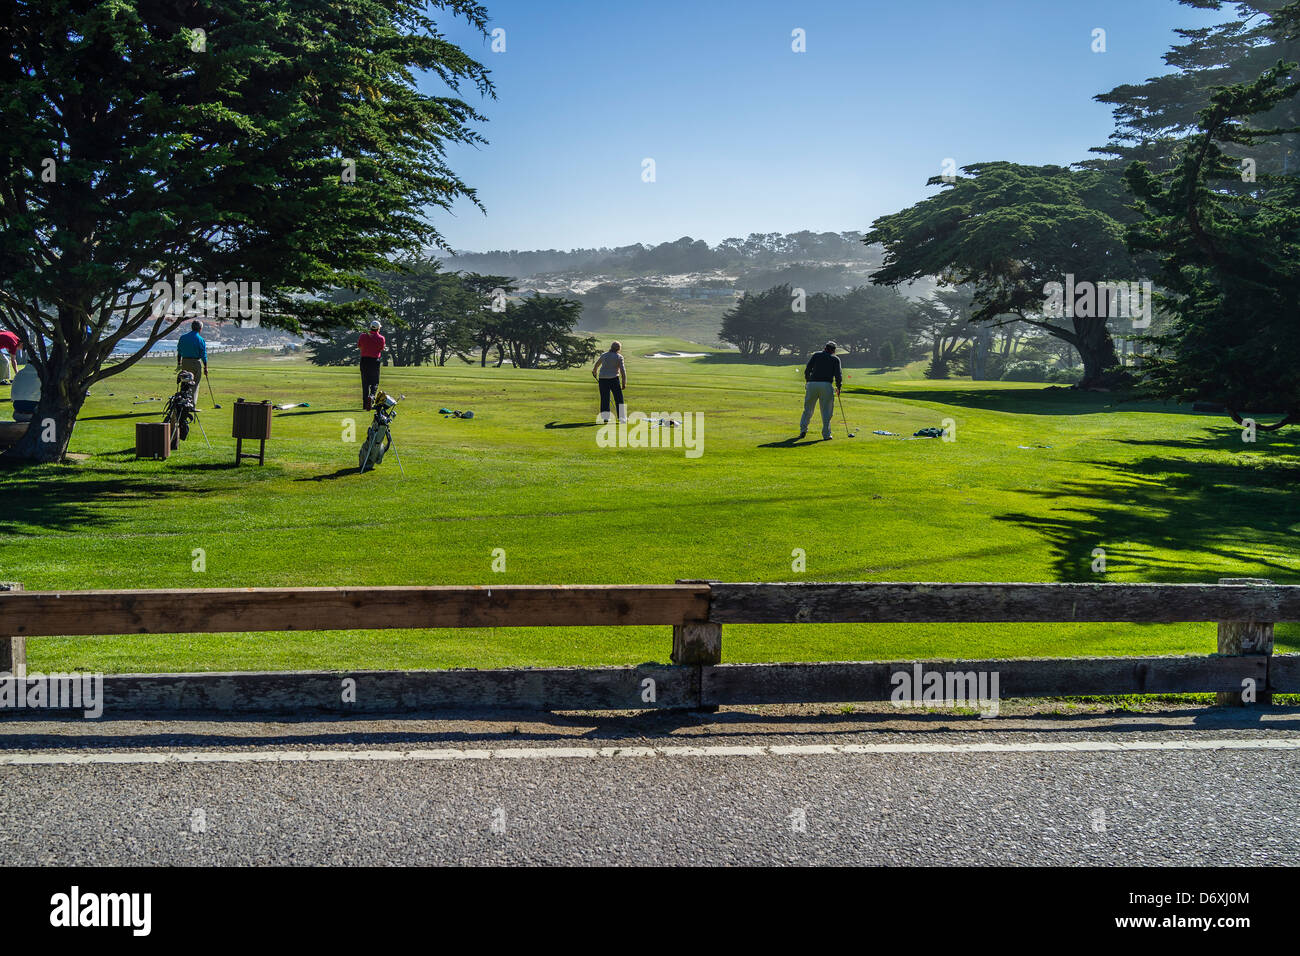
x=180, y=407
x=378, y=437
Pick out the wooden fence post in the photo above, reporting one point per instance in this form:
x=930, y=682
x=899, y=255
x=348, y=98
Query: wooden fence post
x=13, y=649
x=1239, y=638
x=697, y=642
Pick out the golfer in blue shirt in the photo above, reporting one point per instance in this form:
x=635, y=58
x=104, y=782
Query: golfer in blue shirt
x=192, y=351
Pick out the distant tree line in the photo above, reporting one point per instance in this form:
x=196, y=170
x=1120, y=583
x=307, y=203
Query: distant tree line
x=756, y=251
x=430, y=315
x=868, y=322
x=874, y=325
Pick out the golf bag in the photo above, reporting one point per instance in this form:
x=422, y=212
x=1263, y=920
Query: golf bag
x=379, y=437
x=180, y=410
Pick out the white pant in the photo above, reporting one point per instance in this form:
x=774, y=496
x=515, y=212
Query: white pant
x=815, y=392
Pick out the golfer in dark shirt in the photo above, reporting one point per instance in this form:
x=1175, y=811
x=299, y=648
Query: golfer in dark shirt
x=824, y=378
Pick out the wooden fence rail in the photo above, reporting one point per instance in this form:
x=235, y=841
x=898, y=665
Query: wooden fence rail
x=1244, y=609
x=1000, y=603
x=221, y=610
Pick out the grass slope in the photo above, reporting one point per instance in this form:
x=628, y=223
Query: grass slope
x=1169, y=495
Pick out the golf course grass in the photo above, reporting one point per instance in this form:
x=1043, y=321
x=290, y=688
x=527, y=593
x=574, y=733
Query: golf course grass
x=1171, y=496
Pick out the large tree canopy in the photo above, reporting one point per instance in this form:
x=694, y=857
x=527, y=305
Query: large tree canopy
x=1153, y=117
x=1230, y=262
x=1008, y=231
x=537, y=332
x=270, y=141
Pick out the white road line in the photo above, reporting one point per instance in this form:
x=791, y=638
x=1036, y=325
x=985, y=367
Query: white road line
x=589, y=753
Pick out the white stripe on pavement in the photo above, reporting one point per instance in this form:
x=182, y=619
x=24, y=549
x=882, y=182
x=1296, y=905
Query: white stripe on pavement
x=562, y=753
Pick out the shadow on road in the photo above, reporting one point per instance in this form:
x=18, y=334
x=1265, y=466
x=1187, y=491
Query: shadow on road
x=676, y=728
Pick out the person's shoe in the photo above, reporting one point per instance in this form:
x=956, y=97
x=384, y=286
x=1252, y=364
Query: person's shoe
x=827, y=437
x=803, y=434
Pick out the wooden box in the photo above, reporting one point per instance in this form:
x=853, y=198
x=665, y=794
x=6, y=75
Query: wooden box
x=153, y=439
x=12, y=432
x=252, y=420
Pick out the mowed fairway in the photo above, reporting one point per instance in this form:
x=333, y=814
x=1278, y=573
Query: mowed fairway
x=1169, y=495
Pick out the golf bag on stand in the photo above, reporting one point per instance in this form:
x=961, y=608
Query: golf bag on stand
x=379, y=437
x=180, y=410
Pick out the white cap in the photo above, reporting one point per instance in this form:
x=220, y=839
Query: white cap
x=374, y=324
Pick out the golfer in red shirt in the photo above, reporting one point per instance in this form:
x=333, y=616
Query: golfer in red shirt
x=8, y=363
x=372, y=348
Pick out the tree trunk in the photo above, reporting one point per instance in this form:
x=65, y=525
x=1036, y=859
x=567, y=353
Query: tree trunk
x=1096, y=349
x=51, y=426
x=981, y=344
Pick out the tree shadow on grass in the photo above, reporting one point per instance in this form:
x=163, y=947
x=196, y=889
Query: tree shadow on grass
x=1022, y=401
x=1226, y=438
x=1206, y=513
x=108, y=418
x=64, y=503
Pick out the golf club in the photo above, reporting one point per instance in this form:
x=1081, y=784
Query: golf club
x=215, y=403
x=853, y=433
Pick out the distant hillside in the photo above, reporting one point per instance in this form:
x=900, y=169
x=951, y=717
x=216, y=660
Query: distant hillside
x=736, y=256
x=680, y=288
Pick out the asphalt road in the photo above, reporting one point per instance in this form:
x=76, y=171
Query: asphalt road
x=569, y=789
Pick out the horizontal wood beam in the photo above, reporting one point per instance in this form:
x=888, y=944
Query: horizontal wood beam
x=735, y=684
x=652, y=686
x=889, y=603
x=222, y=610
x=645, y=687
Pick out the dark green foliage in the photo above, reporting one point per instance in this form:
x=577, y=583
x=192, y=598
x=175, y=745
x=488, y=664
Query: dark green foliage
x=536, y=332
x=1007, y=230
x=428, y=315
x=862, y=321
x=1154, y=117
x=224, y=154
x=336, y=346
x=1230, y=261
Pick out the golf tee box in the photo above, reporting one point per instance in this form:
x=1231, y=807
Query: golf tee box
x=153, y=440
x=252, y=422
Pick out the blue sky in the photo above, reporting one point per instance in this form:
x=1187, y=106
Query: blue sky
x=749, y=136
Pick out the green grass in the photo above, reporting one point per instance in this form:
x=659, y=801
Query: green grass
x=1171, y=496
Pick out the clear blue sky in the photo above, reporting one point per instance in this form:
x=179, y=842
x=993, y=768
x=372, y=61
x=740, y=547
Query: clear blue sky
x=749, y=136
